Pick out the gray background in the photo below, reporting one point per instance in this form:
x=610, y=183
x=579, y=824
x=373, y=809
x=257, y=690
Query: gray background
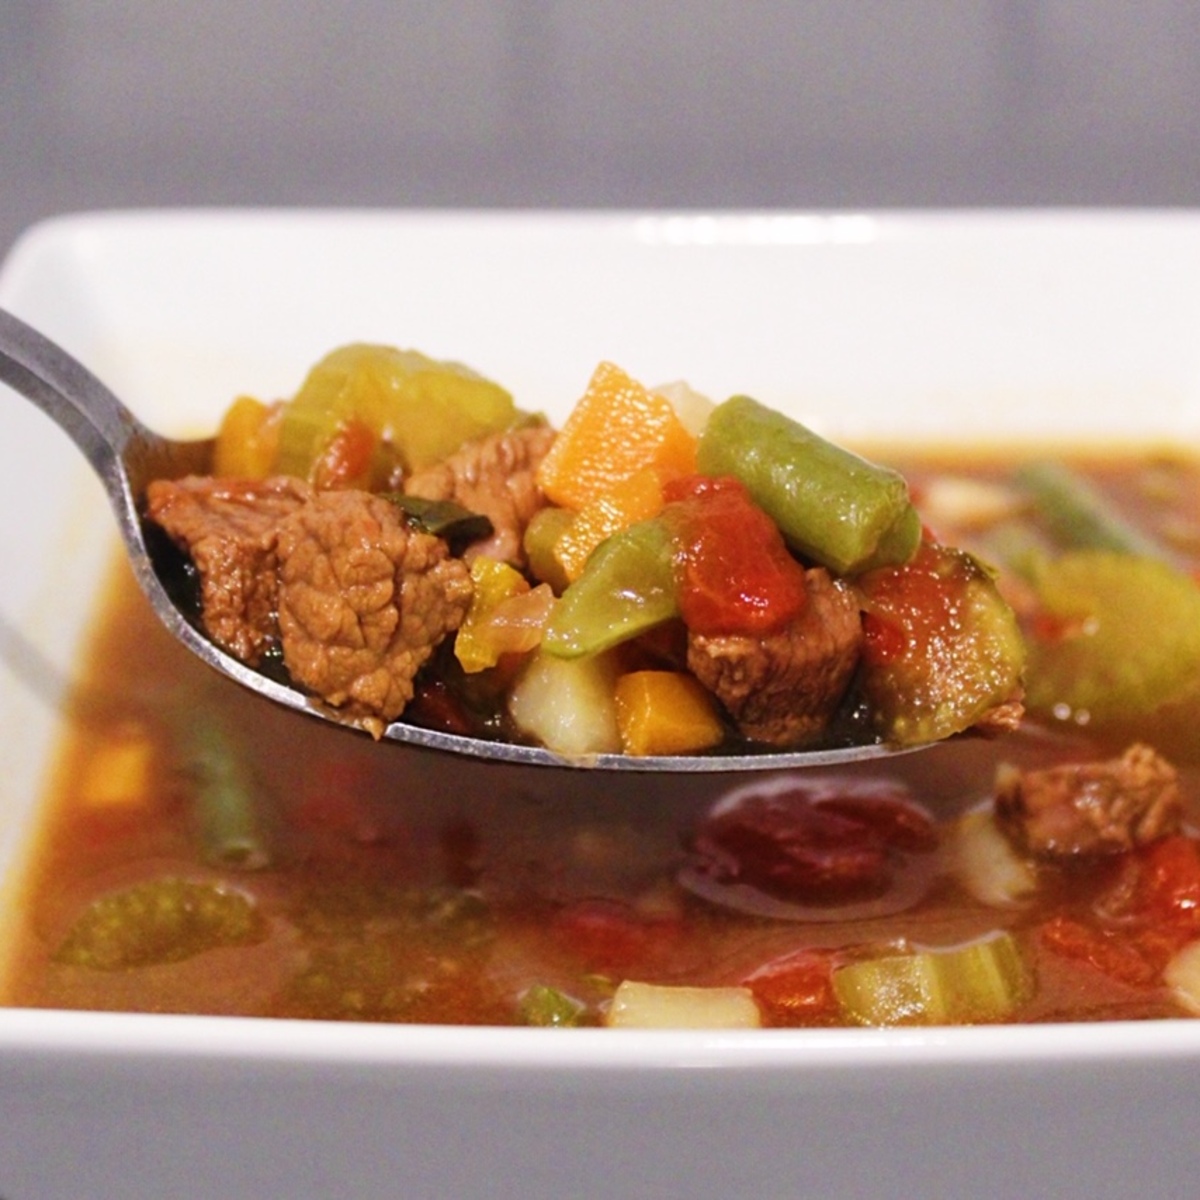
x=583, y=103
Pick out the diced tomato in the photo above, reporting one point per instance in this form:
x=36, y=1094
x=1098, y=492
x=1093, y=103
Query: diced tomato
x=605, y=935
x=1114, y=954
x=1160, y=884
x=796, y=989
x=734, y=573
x=884, y=641
x=910, y=604
x=346, y=460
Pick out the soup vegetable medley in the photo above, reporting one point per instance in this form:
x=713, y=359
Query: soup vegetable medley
x=662, y=575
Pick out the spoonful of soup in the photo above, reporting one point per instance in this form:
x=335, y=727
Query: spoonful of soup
x=661, y=584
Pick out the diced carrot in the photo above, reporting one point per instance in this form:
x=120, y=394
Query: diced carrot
x=636, y=498
x=247, y=440
x=118, y=773
x=665, y=712
x=616, y=429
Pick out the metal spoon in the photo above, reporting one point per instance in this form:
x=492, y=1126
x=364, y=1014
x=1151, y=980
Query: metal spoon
x=127, y=456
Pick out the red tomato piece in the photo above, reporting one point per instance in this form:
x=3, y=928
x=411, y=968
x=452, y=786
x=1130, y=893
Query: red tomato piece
x=1161, y=884
x=733, y=571
x=606, y=935
x=796, y=989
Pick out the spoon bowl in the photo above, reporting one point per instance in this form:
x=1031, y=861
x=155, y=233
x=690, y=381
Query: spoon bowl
x=127, y=456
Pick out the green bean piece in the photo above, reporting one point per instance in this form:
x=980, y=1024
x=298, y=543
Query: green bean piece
x=832, y=506
x=228, y=803
x=1078, y=517
x=160, y=921
x=627, y=587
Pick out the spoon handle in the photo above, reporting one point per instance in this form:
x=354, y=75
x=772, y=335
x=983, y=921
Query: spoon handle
x=99, y=424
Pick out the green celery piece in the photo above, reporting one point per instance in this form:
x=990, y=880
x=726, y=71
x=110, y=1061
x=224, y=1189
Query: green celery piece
x=832, y=506
x=1130, y=639
x=426, y=409
x=627, y=587
x=546, y=1006
x=984, y=980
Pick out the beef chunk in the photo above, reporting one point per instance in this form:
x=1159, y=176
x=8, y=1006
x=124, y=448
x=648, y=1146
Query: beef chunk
x=1090, y=808
x=356, y=598
x=363, y=601
x=228, y=528
x=784, y=688
x=495, y=476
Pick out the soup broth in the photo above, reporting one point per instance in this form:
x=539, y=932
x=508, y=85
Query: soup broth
x=204, y=851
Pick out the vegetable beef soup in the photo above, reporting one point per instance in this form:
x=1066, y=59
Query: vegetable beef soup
x=205, y=851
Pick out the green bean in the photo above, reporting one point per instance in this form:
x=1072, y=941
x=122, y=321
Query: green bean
x=228, y=804
x=627, y=587
x=1077, y=516
x=832, y=506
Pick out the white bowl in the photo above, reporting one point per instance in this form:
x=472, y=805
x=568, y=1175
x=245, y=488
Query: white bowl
x=937, y=326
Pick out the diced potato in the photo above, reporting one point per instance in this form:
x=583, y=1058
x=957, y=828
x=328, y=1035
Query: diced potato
x=986, y=863
x=1182, y=976
x=651, y=1006
x=567, y=704
x=691, y=407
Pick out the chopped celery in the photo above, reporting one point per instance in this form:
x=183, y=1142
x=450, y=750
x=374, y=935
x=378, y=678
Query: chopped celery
x=160, y=921
x=548, y=1007
x=627, y=587
x=651, y=1006
x=984, y=980
x=423, y=409
x=1096, y=661
x=831, y=505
